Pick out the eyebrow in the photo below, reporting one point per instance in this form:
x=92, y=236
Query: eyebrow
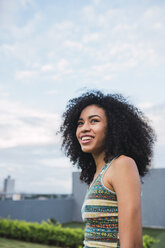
x=91, y=116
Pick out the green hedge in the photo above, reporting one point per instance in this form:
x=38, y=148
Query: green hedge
x=44, y=233
x=48, y=233
x=148, y=241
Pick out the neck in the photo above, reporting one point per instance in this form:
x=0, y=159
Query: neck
x=99, y=160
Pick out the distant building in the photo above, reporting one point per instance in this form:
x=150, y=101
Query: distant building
x=16, y=197
x=8, y=188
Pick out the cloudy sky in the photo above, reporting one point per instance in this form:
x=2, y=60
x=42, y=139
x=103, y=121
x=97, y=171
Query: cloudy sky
x=51, y=51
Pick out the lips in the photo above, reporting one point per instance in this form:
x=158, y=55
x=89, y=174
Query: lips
x=86, y=137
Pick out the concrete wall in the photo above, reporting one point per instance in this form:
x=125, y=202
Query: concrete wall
x=153, y=198
x=79, y=190
x=38, y=210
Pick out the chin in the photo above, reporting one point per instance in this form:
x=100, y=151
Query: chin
x=87, y=150
x=92, y=151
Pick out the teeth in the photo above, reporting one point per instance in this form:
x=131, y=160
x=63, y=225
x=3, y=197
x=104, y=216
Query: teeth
x=86, y=138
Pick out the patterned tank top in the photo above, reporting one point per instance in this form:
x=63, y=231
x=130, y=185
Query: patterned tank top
x=100, y=213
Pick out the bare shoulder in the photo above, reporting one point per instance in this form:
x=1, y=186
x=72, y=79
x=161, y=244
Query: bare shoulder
x=124, y=168
x=124, y=164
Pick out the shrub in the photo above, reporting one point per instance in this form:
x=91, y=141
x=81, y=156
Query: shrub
x=44, y=233
x=148, y=241
x=53, y=221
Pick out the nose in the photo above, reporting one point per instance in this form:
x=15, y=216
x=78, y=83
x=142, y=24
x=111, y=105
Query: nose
x=85, y=127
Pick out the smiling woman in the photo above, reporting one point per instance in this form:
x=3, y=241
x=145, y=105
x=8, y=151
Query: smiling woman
x=111, y=141
x=91, y=129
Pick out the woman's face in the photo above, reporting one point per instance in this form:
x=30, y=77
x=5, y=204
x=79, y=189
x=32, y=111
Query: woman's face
x=91, y=129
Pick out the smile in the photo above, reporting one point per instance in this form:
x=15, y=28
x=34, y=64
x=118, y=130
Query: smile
x=86, y=139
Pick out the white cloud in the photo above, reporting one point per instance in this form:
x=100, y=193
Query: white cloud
x=52, y=92
x=116, y=45
x=91, y=37
x=64, y=25
x=109, y=77
x=20, y=126
x=26, y=74
x=73, y=44
x=25, y=3
x=152, y=13
x=156, y=114
x=146, y=105
x=29, y=29
x=56, y=77
x=7, y=47
x=62, y=64
x=10, y=11
x=4, y=93
x=158, y=25
x=89, y=13
x=61, y=162
x=63, y=67
x=132, y=54
x=55, y=185
x=96, y=1
x=47, y=67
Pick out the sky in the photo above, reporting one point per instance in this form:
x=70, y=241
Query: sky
x=54, y=50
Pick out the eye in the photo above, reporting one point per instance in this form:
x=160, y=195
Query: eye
x=79, y=123
x=94, y=120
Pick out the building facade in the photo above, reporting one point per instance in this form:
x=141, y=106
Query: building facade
x=8, y=187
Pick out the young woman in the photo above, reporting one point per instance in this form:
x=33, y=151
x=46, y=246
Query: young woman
x=111, y=141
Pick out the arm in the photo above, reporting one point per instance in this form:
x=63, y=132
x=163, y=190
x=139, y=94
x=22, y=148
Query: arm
x=126, y=183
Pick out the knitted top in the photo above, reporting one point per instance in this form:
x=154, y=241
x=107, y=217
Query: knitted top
x=100, y=212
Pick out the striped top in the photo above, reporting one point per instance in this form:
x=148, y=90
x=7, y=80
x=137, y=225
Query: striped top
x=100, y=213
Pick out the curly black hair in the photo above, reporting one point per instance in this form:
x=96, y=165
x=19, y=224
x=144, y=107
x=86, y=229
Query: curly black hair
x=128, y=132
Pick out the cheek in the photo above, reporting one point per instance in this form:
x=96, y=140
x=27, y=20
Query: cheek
x=101, y=130
x=105, y=130
x=103, y=133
